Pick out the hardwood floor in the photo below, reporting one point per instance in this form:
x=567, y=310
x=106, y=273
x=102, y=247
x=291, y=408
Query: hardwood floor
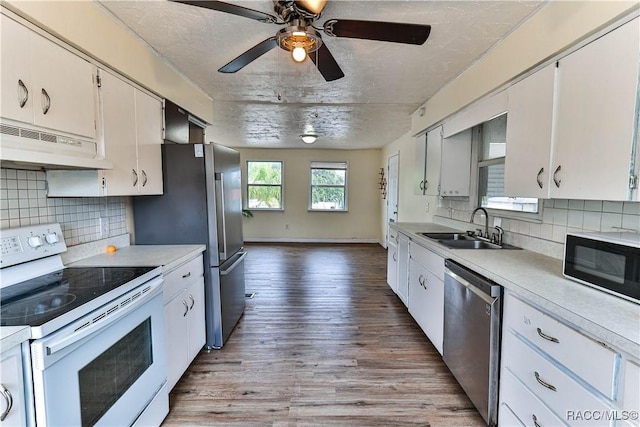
x=324, y=341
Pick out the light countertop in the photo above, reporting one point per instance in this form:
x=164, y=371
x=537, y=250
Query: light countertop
x=538, y=279
x=11, y=336
x=166, y=256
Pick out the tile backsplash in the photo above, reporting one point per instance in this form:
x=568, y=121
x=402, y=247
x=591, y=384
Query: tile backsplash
x=24, y=201
x=546, y=233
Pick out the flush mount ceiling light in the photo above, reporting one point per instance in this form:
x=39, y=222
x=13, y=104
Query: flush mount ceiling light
x=299, y=39
x=309, y=138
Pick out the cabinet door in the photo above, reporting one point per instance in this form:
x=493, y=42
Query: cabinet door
x=176, y=338
x=526, y=168
x=455, y=172
x=420, y=165
x=433, y=159
x=64, y=89
x=426, y=302
x=149, y=138
x=11, y=380
x=392, y=267
x=403, y=268
x=119, y=122
x=597, y=93
x=195, y=299
x=15, y=76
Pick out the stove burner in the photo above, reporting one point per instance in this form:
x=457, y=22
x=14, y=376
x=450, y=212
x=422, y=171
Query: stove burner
x=35, y=306
x=83, y=278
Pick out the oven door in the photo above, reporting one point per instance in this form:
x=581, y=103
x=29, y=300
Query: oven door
x=105, y=368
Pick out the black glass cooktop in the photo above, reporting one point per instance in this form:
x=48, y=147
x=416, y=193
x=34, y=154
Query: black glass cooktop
x=41, y=299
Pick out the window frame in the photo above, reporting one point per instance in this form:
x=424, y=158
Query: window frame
x=345, y=186
x=281, y=185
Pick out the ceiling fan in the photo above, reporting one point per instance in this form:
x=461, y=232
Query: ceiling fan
x=302, y=38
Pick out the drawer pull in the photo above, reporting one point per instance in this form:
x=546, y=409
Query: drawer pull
x=535, y=420
x=547, y=337
x=184, y=276
x=193, y=301
x=544, y=383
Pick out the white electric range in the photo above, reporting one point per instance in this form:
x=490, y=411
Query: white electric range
x=96, y=354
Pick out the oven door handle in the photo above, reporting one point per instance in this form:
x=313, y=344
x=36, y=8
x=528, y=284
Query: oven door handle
x=58, y=345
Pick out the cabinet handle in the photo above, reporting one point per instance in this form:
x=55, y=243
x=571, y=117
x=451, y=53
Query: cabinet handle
x=9, y=399
x=557, y=181
x=184, y=276
x=395, y=258
x=144, y=178
x=535, y=420
x=46, y=105
x=547, y=337
x=186, y=308
x=544, y=383
x=193, y=301
x=538, y=177
x=25, y=91
x=426, y=184
x=135, y=176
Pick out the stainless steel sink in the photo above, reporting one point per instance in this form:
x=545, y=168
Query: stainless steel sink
x=464, y=241
x=448, y=236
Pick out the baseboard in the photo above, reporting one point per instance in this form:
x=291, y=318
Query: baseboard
x=305, y=240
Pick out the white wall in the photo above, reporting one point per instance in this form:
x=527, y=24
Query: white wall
x=85, y=25
x=296, y=223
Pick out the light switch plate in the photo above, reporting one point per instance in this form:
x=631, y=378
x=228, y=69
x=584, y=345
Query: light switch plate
x=497, y=222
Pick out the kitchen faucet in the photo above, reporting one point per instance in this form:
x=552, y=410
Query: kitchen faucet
x=486, y=220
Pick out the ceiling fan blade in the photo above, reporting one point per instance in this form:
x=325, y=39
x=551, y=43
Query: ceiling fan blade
x=249, y=56
x=382, y=31
x=326, y=64
x=232, y=9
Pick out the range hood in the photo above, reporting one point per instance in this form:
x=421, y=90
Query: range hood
x=21, y=146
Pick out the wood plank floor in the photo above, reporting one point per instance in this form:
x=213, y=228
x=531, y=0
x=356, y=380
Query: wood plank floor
x=324, y=341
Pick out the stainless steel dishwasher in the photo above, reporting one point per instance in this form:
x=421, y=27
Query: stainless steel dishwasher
x=472, y=319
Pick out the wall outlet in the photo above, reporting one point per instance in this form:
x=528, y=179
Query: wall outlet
x=497, y=222
x=426, y=208
x=103, y=224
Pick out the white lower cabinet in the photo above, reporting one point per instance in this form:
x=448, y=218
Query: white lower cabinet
x=403, y=268
x=552, y=374
x=426, y=292
x=12, y=388
x=184, y=317
x=392, y=261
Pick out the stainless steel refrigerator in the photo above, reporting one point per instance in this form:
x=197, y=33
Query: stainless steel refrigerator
x=201, y=204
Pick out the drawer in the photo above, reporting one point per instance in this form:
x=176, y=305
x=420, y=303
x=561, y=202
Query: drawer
x=564, y=344
x=549, y=383
x=428, y=259
x=506, y=417
x=516, y=401
x=393, y=236
x=631, y=387
x=182, y=276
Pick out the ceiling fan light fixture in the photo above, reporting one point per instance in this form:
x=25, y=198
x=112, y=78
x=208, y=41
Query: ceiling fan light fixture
x=299, y=40
x=309, y=138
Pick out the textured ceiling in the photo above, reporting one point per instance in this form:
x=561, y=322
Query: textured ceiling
x=271, y=101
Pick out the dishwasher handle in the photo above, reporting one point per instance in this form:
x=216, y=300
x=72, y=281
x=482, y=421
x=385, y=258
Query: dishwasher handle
x=473, y=279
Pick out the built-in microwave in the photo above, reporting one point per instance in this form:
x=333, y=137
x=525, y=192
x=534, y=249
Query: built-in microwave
x=606, y=261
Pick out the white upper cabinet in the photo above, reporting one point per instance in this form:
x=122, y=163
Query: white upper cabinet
x=428, y=156
x=596, y=117
x=132, y=136
x=529, y=126
x=44, y=84
x=455, y=173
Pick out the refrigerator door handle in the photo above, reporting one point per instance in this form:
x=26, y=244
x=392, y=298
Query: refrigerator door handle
x=222, y=228
x=234, y=265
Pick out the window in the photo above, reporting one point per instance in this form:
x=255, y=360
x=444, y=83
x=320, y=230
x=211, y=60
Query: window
x=264, y=185
x=328, y=186
x=492, y=151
